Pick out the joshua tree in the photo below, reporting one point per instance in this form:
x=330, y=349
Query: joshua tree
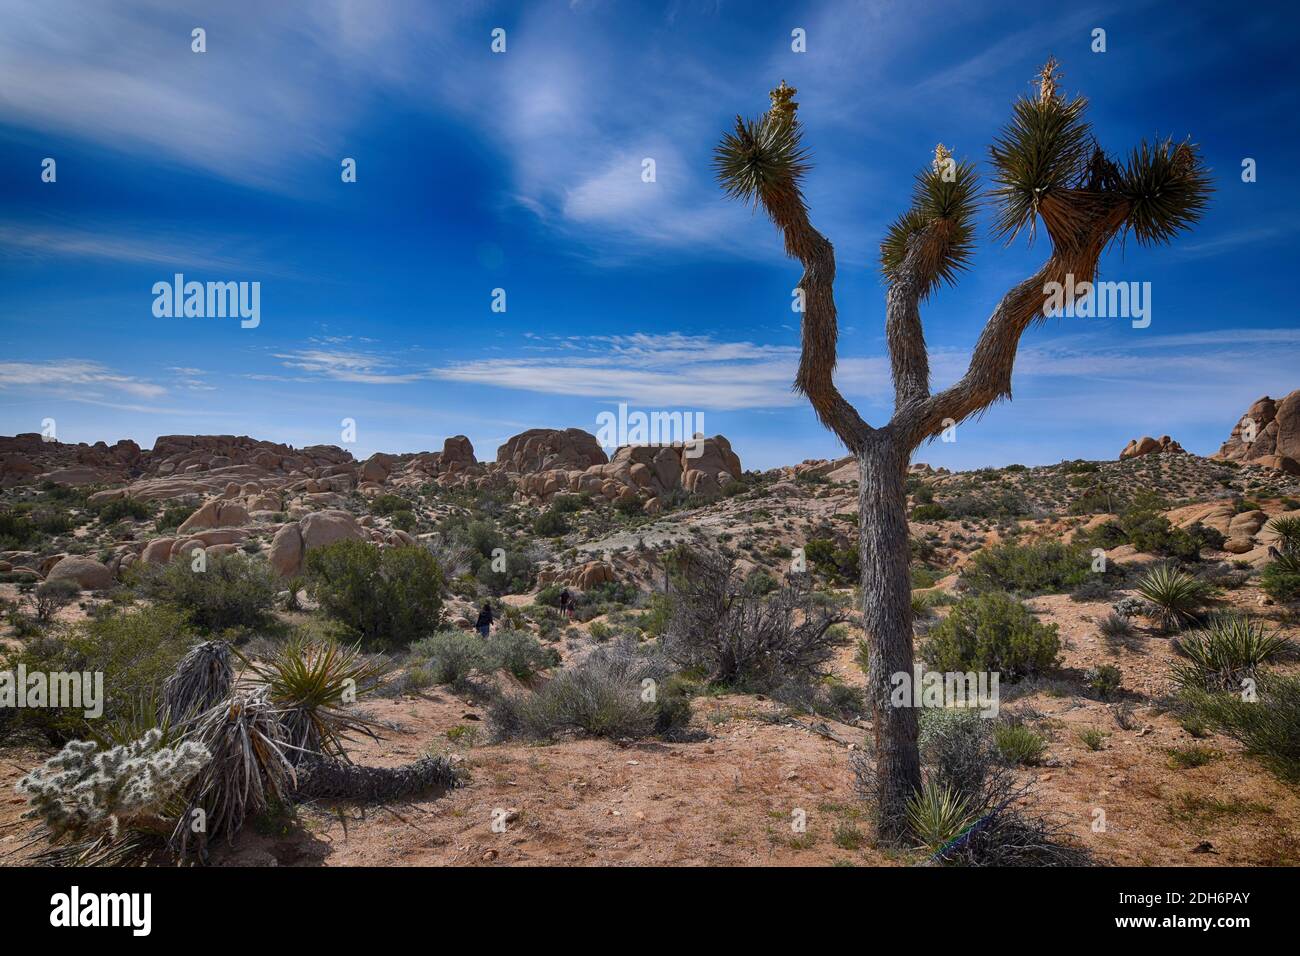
x=1047, y=167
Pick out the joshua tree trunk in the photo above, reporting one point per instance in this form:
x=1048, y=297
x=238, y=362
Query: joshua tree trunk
x=887, y=622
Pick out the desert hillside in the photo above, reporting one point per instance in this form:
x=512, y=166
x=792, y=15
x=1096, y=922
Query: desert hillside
x=1125, y=604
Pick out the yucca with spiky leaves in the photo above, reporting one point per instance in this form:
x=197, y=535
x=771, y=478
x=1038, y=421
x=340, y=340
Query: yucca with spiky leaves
x=248, y=770
x=201, y=678
x=1227, y=650
x=1047, y=168
x=1175, y=596
x=939, y=226
x=1286, y=529
x=937, y=815
x=314, y=685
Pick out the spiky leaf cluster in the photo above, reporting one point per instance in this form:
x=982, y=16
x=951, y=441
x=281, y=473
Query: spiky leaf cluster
x=249, y=769
x=1167, y=187
x=201, y=678
x=940, y=225
x=1046, y=149
x=313, y=683
x=762, y=162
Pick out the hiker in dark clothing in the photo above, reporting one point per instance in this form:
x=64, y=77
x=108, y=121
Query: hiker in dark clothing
x=566, y=604
x=484, y=623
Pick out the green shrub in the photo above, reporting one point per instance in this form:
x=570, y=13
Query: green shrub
x=760, y=582
x=838, y=565
x=1044, y=567
x=403, y=520
x=110, y=512
x=604, y=696
x=1079, y=467
x=386, y=504
x=452, y=657
x=992, y=632
x=27, y=527
x=172, y=516
x=549, y=596
x=1092, y=738
x=387, y=597
x=1193, y=755
x=1268, y=725
x=567, y=504
x=629, y=506
x=1175, y=596
x=136, y=651
x=519, y=653
x=1103, y=681
x=1018, y=744
x=1148, y=530
x=929, y=512
x=550, y=523
x=234, y=590
x=517, y=577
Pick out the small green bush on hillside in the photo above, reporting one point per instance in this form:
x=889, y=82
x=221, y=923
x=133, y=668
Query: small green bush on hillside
x=387, y=597
x=233, y=590
x=992, y=632
x=1044, y=567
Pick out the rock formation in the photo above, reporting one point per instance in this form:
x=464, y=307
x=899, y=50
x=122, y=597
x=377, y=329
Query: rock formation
x=1267, y=435
x=1146, y=445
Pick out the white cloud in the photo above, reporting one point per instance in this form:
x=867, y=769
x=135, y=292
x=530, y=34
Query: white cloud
x=77, y=378
x=364, y=368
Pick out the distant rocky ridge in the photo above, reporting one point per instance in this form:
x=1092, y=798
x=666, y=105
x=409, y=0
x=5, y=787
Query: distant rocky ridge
x=267, y=476
x=242, y=488
x=1275, y=442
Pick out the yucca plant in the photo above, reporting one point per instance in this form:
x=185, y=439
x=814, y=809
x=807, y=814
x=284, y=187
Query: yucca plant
x=201, y=678
x=314, y=684
x=1228, y=649
x=1286, y=530
x=248, y=770
x=1047, y=167
x=937, y=815
x=1175, y=596
x=1281, y=579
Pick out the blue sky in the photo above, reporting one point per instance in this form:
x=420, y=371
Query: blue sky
x=522, y=171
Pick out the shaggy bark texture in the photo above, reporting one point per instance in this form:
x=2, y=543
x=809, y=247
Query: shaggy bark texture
x=333, y=779
x=887, y=621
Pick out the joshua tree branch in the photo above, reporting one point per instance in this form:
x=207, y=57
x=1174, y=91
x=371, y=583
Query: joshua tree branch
x=909, y=360
x=988, y=376
x=817, y=355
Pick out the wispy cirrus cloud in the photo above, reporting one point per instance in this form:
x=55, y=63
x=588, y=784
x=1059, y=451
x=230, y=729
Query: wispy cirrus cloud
x=666, y=370
x=80, y=379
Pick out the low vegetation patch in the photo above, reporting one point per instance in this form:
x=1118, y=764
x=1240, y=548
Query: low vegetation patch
x=992, y=632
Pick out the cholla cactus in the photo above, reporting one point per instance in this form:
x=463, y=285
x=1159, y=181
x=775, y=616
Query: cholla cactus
x=83, y=789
